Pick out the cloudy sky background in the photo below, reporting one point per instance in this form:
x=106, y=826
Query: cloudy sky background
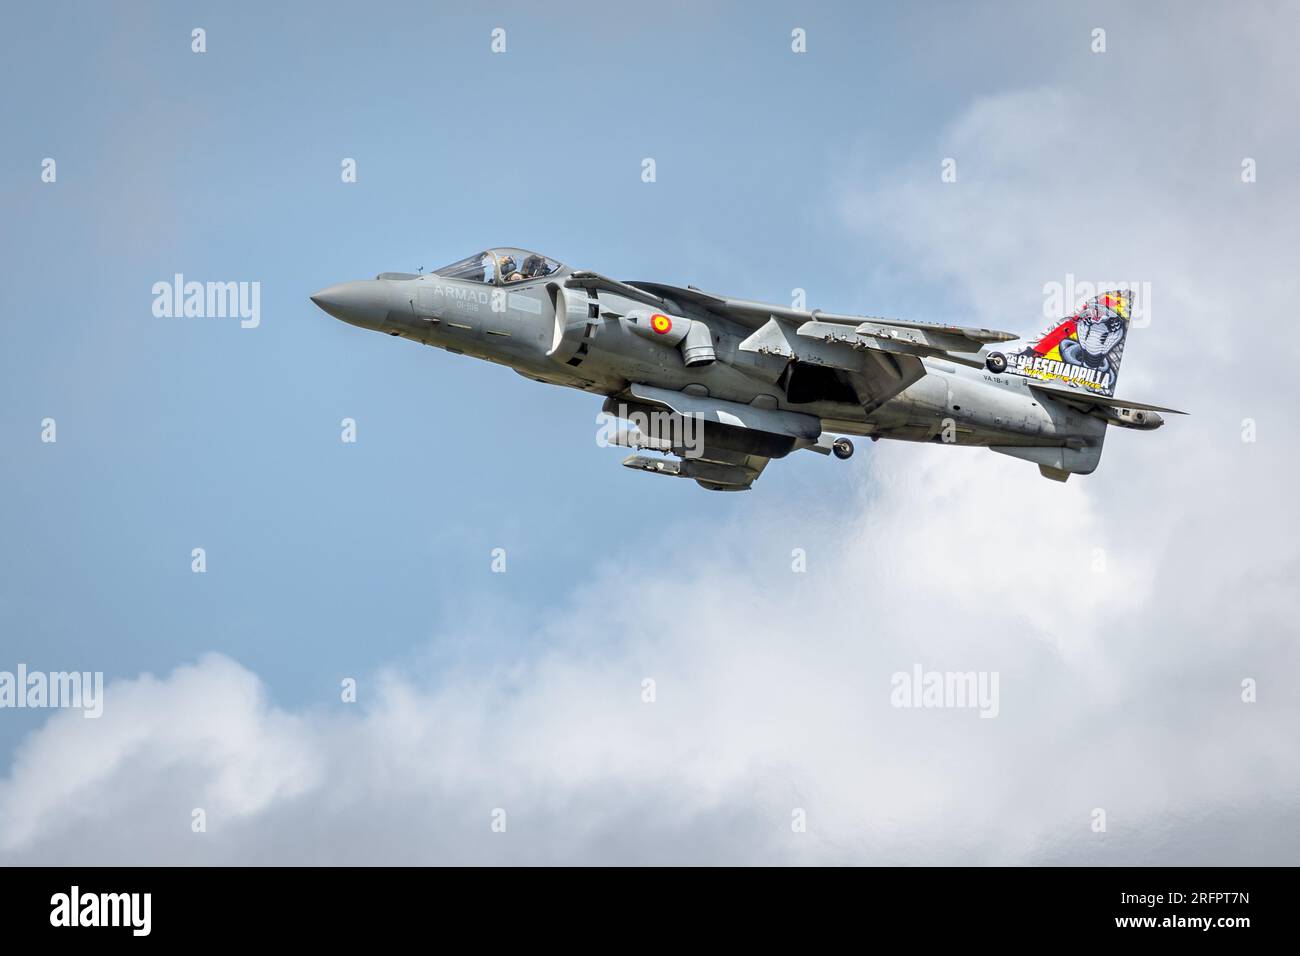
x=1119, y=689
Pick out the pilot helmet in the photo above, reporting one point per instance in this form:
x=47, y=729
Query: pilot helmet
x=508, y=265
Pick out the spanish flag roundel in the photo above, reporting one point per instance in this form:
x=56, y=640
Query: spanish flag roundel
x=661, y=323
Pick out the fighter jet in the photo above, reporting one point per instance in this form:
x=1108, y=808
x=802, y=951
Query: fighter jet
x=715, y=387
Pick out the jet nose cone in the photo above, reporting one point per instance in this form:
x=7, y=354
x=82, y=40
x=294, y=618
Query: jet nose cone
x=363, y=303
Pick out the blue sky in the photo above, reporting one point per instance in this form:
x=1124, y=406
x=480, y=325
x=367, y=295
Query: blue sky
x=774, y=171
x=182, y=433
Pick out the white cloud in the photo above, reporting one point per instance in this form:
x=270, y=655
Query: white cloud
x=773, y=693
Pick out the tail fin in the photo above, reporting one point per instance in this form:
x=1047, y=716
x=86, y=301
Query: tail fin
x=1082, y=351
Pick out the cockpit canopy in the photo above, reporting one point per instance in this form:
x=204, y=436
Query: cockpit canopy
x=500, y=267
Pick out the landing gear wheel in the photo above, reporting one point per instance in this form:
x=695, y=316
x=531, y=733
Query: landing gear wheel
x=996, y=363
x=843, y=448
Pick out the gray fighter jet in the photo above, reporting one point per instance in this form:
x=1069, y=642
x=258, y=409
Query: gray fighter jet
x=715, y=387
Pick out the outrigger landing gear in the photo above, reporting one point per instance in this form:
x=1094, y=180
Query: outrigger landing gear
x=843, y=448
x=996, y=363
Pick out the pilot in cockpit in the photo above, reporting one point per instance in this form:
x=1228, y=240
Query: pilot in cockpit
x=510, y=270
x=534, y=266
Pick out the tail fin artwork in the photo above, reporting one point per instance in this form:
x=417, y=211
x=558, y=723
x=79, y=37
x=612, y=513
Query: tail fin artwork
x=1082, y=351
x=1076, y=362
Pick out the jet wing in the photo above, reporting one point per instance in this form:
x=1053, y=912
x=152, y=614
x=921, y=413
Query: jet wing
x=723, y=446
x=954, y=343
x=878, y=357
x=776, y=422
x=755, y=314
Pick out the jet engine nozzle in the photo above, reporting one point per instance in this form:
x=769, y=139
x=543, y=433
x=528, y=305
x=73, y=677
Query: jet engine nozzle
x=697, y=346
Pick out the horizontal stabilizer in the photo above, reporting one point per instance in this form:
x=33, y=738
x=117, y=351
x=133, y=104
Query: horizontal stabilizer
x=1068, y=394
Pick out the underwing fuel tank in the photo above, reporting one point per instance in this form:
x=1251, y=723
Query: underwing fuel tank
x=693, y=337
